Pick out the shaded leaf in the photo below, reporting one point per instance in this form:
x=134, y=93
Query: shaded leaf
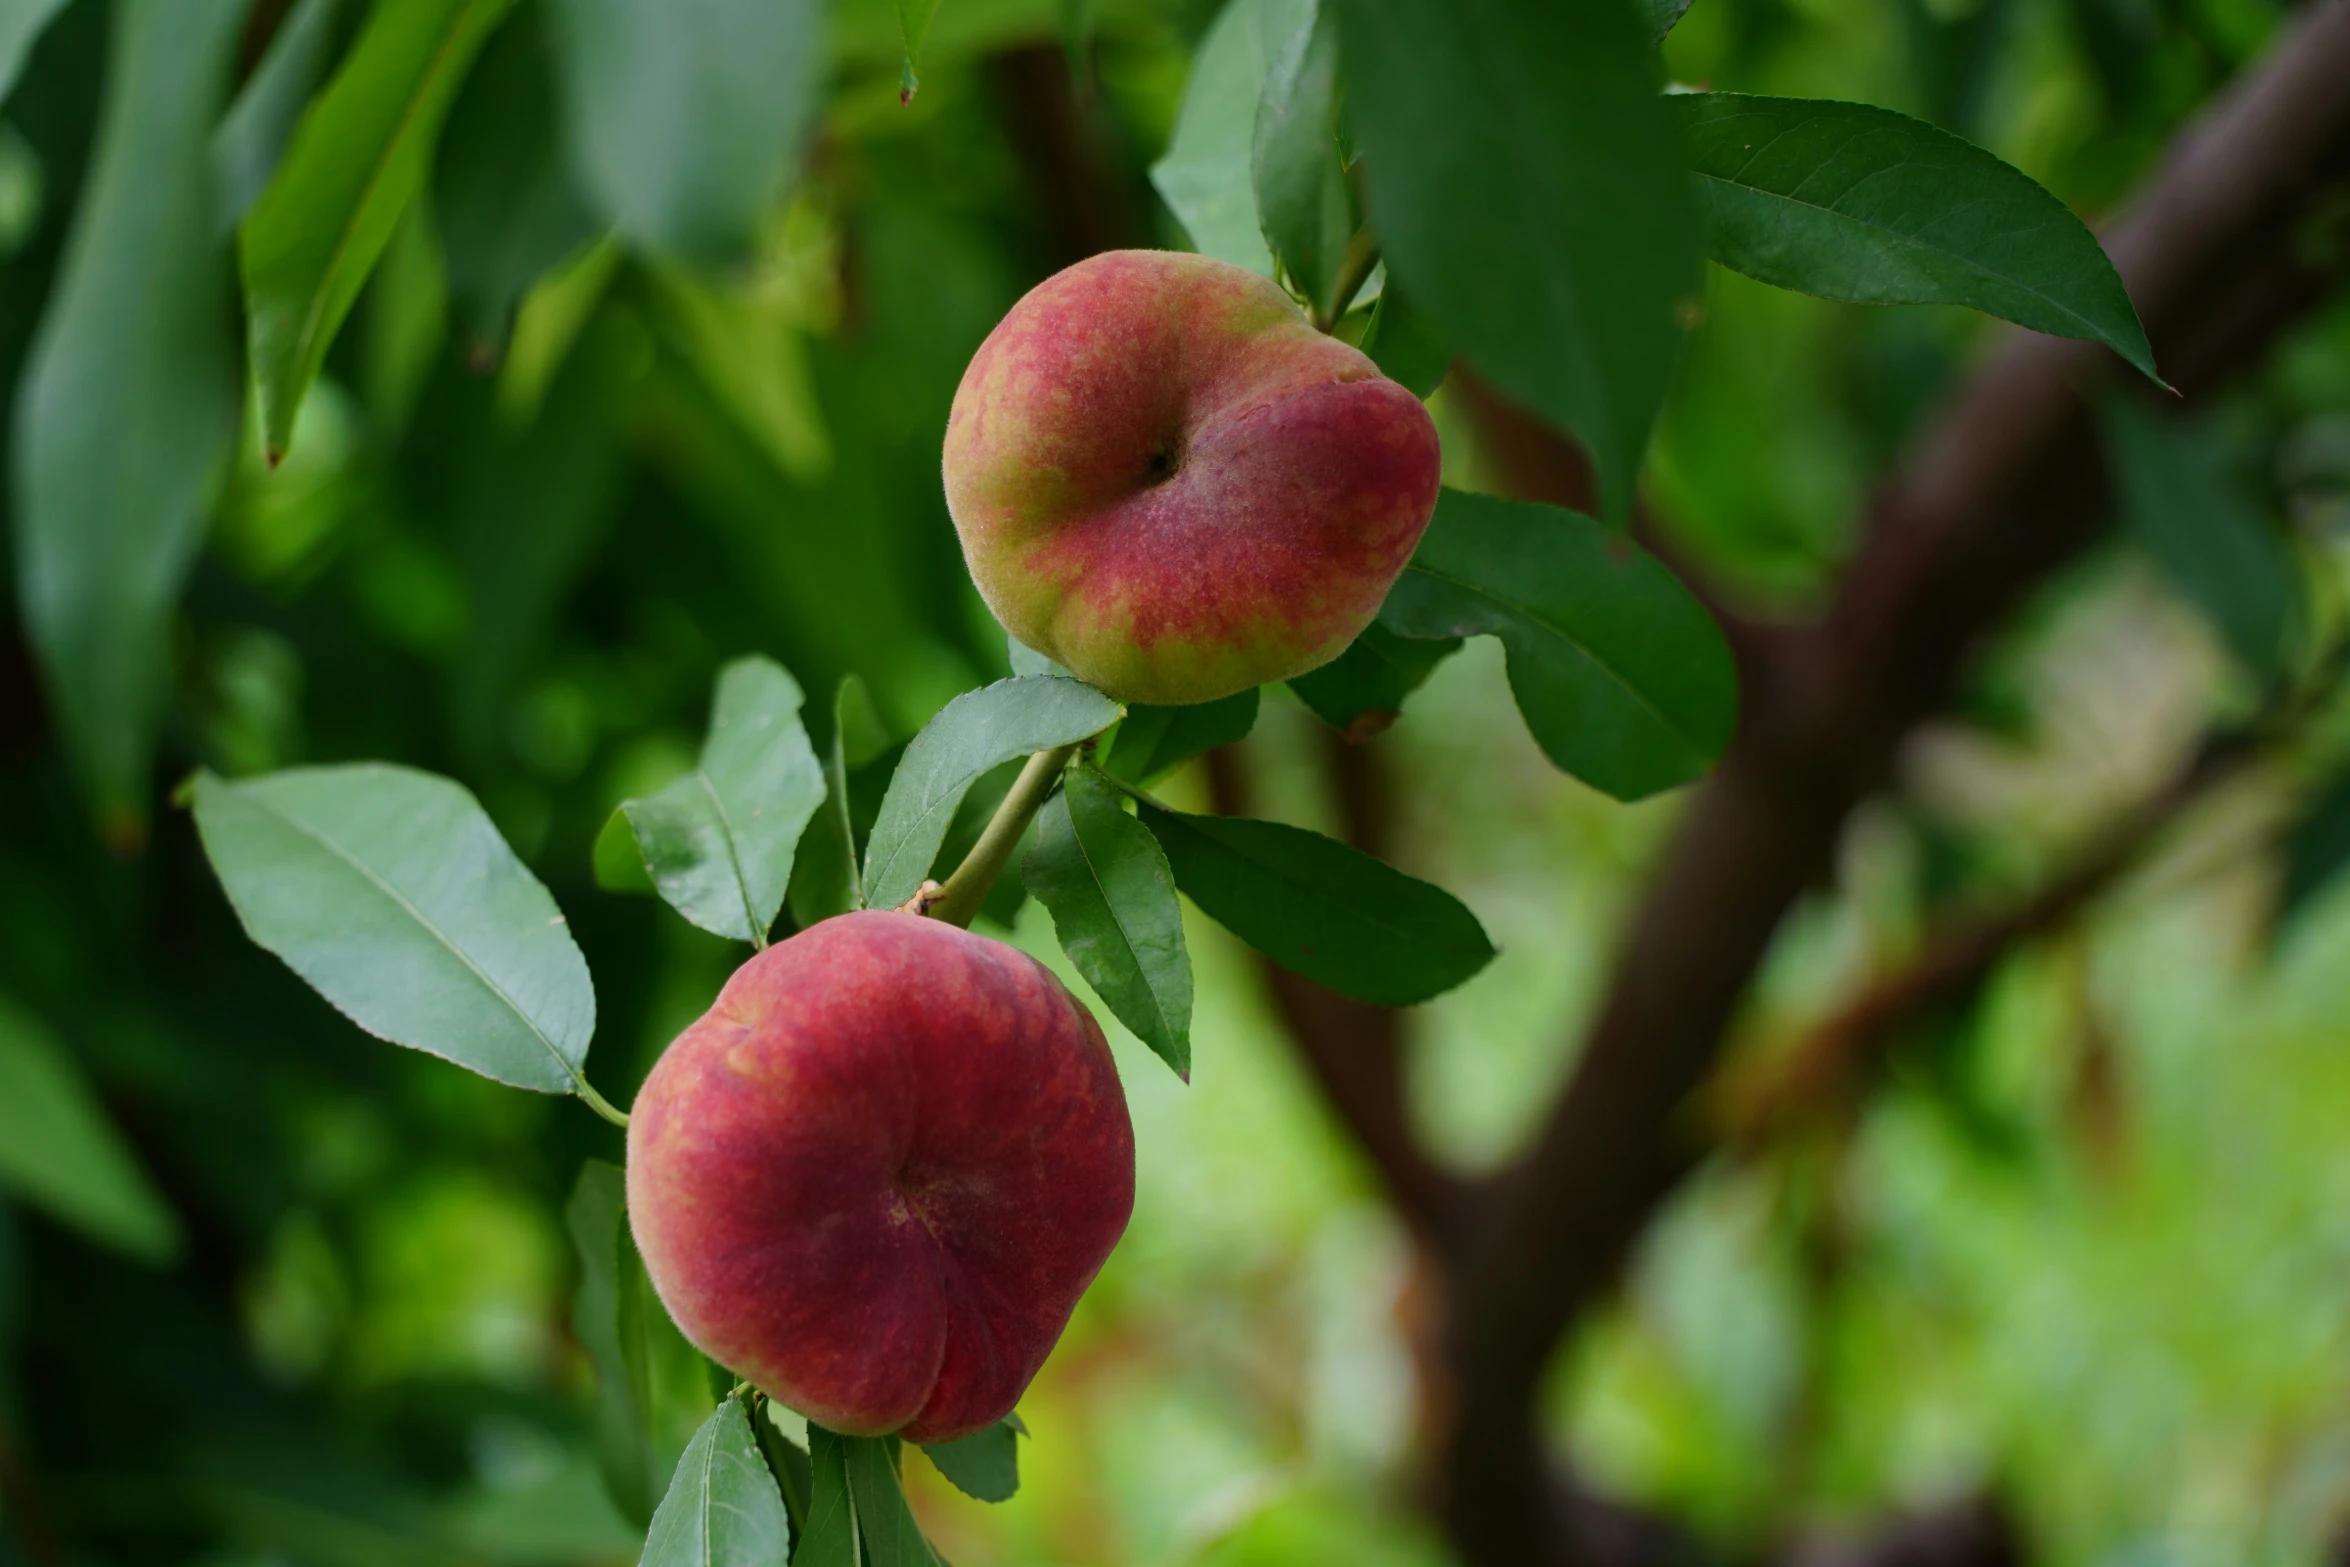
x=1405, y=344
x=1205, y=176
x=503, y=194
x=977, y=731
x=1660, y=17
x=984, y=1465
x=684, y=117
x=723, y=1508
x=2206, y=536
x=719, y=841
x=1527, y=185
x=913, y=23
x=787, y=1461
x=1106, y=882
x=1360, y=692
x=885, y=1525
x=831, y=1536
x=388, y=890
x=1153, y=741
x=618, y=864
x=1321, y=909
x=60, y=1153
x=1304, y=203
x=2317, y=851
x=1853, y=202
x=1622, y=676
x=253, y=134
x=597, y=1217
x=1028, y=661
x=132, y=341
x=21, y=22
x=825, y=880
x=359, y=157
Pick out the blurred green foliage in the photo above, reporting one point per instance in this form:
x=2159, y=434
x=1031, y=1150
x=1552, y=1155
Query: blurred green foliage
x=2089, y=1248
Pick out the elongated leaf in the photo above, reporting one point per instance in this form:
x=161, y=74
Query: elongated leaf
x=885, y=1525
x=1304, y=203
x=685, y=116
x=913, y=23
x=825, y=880
x=21, y=22
x=2318, y=850
x=60, y=1153
x=132, y=341
x=390, y=892
x=597, y=1216
x=831, y=1537
x=358, y=159
x=1853, y=202
x=1205, y=176
x=1154, y=741
x=1622, y=676
x=1527, y=185
x=788, y=1462
x=984, y=1465
x=977, y=731
x=253, y=134
x=1360, y=693
x=723, y=1508
x=2206, y=536
x=503, y=195
x=1106, y=882
x=1405, y=344
x=719, y=841
x=1321, y=909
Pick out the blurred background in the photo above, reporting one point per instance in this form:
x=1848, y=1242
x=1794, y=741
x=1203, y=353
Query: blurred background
x=2084, y=1251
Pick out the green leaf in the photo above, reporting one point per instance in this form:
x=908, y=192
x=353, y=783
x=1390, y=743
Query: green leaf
x=390, y=892
x=719, y=841
x=2317, y=851
x=977, y=731
x=885, y=1525
x=685, y=116
x=985, y=1465
x=1360, y=692
x=21, y=23
x=253, y=134
x=787, y=1461
x=824, y=879
x=1153, y=741
x=1321, y=909
x=1304, y=202
x=2206, y=536
x=1205, y=177
x=831, y=1536
x=723, y=1508
x=132, y=342
x=1660, y=17
x=358, y=158
x=1852, y=202
x=503, y=195
x=1405, y=344
x=1106, y=882
x=1028, y=661
x=913, y=22
x=619, y=864
x=597, y=1216
x=1622, y=676
x=1526, y=181
x=60, y=1153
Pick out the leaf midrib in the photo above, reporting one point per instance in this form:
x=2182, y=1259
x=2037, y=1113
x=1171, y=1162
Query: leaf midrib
x=417, y=914
x=1085, y=853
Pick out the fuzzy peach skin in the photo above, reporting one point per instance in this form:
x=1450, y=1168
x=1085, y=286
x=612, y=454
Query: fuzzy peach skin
x=1166, y=480
x=875, y=1177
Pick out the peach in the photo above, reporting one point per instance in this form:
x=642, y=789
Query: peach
x=1166, y=480
x=875, y=1177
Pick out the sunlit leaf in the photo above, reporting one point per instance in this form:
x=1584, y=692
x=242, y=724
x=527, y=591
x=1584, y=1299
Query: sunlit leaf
x=1526, y=182
x=390, y=892
x=1850, y=201
x=60, y=1153
x=984, y=1465
x=723, y=1508
x=1622, y=676
x=1106, y=883
x=1154, y=741
x=1360, y=692
x=1315, y=906
x=913, y=23
x=977, y=731
x=2206, y=535
x=358, y=158
x=719, y=841
x=1205, y=176
x=685, y=116
x=132, y=344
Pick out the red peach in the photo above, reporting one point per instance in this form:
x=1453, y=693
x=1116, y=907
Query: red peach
x=1168, y=481
x=875, y=1177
